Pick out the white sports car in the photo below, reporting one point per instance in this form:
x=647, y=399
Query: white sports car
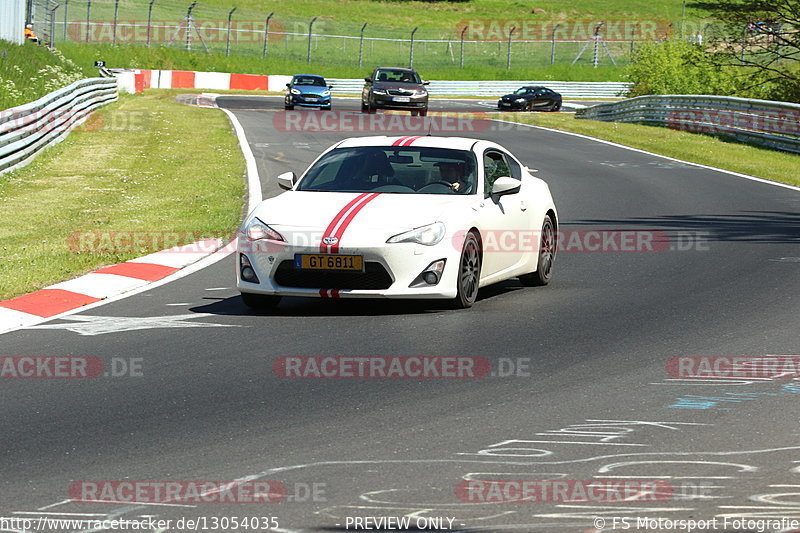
x=399, y=217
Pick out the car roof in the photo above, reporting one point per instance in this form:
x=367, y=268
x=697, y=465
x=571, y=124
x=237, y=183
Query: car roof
x=428, y=141
x=308, y=76
x=533, y=87
x=405, y=69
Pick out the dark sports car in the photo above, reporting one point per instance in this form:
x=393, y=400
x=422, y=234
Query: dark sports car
x=530, y=99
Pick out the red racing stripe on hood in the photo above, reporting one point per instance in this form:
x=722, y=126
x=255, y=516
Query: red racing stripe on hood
x=334, y=249
x=329, y=230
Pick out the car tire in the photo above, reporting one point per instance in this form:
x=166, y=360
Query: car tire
x=528, y=107
x=326, y=108
x=288, y=107
x=260, y=301
x=556, y=107
x=414, y=113
x=547, y=253
x=424, y=112
x=364, y=107
x=469, y=273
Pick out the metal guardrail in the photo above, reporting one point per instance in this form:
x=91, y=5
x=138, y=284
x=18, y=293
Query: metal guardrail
x=27, y=129
x=567, y=89
x=764, y=122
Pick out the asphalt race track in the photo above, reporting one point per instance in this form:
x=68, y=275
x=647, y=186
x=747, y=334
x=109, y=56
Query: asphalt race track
x=590, y=395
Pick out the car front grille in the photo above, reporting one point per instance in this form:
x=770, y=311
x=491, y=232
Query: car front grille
x=400, y=92
x=308, y=96
x=374, y=277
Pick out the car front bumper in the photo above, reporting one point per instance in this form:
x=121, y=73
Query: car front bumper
x=310, y=101
x=389, y=270
x=391, y=102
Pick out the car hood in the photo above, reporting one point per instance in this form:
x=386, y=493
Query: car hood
x=314, y=211
x=511, y=96
x=310, y=89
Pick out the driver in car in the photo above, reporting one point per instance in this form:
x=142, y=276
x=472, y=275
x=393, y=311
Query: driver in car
x=453, y=173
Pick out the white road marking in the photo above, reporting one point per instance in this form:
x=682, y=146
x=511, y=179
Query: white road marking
x=100, y=325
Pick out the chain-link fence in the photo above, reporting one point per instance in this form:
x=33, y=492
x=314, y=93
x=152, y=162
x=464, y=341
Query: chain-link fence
x=490, y=43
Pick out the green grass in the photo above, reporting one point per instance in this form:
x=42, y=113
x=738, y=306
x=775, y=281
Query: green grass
x=697, y=148
x=397, y=13
x=393, y=20
x=174, y=59
x=144, y=164
x=28, y=72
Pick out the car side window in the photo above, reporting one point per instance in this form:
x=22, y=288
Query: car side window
x=494, y=166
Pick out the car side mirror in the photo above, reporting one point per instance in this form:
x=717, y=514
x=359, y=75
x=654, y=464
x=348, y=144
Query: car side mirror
x=426, y=82
x=286, y=180
x=330, y=86
x=505, y=185
x=288, y=85
x=368, y=80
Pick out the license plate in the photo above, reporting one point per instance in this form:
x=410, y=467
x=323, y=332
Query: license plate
x=329, y=262
x=504, y=104
x=401, y=99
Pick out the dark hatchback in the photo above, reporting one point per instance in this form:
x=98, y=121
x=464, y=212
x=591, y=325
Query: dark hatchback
x=395, y=88
x=307, y=90
x=531, y=98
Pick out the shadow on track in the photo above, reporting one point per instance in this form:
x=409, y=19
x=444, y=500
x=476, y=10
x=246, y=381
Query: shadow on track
x=318, y=307
x=767, y=227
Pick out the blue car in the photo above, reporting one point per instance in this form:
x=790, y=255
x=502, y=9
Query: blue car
x=307, y=90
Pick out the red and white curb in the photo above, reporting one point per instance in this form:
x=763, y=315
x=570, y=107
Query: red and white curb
x=101, y=284
x=119, y=281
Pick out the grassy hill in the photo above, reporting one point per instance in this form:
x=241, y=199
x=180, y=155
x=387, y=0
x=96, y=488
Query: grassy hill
x=28, y=72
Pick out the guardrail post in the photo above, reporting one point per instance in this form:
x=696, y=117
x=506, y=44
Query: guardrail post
x=116, y=14
x=508, y=53
x=149, y=20
x=411, y=57
x=553, y=45
x=66, y=19
x=52, y=42
x=310, y=25
x=633, y=35
x=88, y=17
x=462, y=45
x=266, y=34
x=361, y=45
x=228, y=40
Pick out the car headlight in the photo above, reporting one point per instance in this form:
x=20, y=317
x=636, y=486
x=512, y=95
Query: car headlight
x=326, y=93
x=257, y=230
x=378, y=91
x=518, y=100
x=295, y=91
x=427, y=235
x=420, y=92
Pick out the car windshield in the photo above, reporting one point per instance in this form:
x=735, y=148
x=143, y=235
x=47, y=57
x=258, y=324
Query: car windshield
x=389, y=169
x=523, y=90
x=309, y=80
x=404, y=76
